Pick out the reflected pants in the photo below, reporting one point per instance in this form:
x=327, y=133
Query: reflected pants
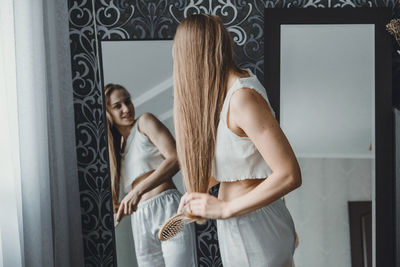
x=262, y=238
x=179, y=251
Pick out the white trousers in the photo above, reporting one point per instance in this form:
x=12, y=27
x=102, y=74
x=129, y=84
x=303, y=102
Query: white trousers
x=179, y=251
x=262, y=238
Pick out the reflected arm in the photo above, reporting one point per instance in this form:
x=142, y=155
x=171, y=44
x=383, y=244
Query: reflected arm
x=160, y=136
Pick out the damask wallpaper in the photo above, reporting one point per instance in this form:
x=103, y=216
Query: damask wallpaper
x=151, y=19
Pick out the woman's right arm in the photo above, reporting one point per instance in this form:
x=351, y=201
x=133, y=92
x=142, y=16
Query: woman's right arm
x=254, y=117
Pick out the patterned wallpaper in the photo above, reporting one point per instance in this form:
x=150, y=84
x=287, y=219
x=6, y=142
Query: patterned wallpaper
x=151, y=19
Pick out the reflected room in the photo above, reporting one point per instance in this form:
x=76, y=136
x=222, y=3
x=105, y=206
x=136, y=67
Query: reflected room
x=144, y=69
x=327, y=112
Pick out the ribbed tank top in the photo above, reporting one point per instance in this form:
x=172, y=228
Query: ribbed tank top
x=236, y=157
x=140, y=156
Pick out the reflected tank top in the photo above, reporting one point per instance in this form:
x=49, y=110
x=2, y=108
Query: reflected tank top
x=237, y=158
x=140, y=156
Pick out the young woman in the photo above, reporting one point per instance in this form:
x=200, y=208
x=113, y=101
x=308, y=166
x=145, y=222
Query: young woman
x=143, y=158
x=226, y=130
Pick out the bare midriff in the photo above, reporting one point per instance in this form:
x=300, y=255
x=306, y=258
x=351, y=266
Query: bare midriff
x=168, y=184
x=231, y=190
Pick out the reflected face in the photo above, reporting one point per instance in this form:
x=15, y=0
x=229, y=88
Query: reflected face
x=121, y=108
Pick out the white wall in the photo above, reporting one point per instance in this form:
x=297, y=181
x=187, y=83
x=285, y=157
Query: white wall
x=327, y=113
x=327, y=89
x=1, y=252
x=124, y=244
x=320, y=212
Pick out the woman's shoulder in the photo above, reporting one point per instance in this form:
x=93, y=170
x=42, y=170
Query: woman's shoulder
x=148, y=124
x=144, y=121
x=250, y=99
x=249, y=89
x=244, y=96
x=146, y=117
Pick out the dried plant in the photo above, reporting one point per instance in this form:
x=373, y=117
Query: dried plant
x=393, y=27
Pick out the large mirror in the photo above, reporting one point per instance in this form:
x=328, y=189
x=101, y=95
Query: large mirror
x=137, y=76
x=327, y=112
x=329, y=93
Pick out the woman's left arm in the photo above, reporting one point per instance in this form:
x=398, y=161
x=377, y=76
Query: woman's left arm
x=160, y=136
x=252, y=114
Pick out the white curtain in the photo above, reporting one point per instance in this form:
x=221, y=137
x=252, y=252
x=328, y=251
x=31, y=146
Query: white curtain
x=39, y=198
x=10, y=190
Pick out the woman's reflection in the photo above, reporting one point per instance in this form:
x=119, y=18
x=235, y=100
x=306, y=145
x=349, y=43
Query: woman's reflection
x=143, y=161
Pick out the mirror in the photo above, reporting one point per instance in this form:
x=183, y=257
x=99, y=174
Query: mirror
x=328, y=75
x=144, y=116
x=327, y=112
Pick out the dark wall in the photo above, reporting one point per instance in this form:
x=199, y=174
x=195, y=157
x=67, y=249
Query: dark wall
x=396, y=64
x=397, y=166
x=154, y=19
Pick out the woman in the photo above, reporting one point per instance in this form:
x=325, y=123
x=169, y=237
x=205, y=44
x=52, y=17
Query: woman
x=226, y=130
x=143, y=157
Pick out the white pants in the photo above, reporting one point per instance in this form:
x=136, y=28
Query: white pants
x=262, y=238
x=179, y=251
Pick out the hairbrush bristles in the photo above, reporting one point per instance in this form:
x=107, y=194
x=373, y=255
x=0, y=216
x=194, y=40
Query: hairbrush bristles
x=175, y=224
x=172, y=227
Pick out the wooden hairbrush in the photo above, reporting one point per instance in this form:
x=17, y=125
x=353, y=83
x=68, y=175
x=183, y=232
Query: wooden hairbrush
x=175, y=224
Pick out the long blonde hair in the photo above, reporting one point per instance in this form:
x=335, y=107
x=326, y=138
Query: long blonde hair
x=203, y=58
x=114, y=144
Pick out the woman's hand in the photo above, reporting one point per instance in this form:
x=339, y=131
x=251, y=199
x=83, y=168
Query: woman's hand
x=204, y=205
x=128, y=204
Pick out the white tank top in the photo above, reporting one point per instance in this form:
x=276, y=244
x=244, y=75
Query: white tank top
x=237, y=158
x=140, y=156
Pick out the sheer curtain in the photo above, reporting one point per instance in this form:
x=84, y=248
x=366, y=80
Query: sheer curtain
x=39, y=198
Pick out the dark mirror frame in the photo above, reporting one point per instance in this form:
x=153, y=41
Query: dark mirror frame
x=384, y=118
x=150, y=19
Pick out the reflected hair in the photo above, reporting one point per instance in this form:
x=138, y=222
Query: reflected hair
x=203, y=58
x=114, y=144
